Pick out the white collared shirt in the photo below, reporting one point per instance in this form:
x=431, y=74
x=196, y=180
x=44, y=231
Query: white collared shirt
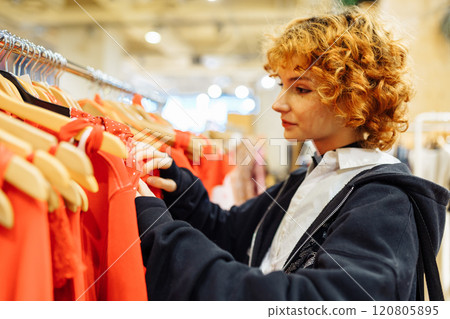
x=321, y=184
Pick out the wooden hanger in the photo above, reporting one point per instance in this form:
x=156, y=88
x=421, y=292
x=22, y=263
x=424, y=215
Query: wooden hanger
x=6, y=211
x=5, y=86
x=29, y=87
x=84, y=198
x=52, y=169
x=74, y=159
x=41, y=94
x=27, y=178
x=43, y=89
x=139, y=123
x=63, y=97
x=53, y=121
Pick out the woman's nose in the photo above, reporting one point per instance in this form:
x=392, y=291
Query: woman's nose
x=280, y=104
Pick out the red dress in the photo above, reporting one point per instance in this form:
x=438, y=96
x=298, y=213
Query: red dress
x=25, y=262
x=109, y=232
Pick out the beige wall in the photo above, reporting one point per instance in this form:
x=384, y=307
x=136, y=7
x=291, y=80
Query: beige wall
x=429, y=49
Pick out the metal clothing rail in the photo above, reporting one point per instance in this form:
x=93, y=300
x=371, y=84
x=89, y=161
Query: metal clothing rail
x=52, y=61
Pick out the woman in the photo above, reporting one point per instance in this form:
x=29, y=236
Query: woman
x=342, y=230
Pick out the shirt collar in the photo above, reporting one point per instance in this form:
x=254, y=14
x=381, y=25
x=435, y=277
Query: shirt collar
x=352, y=156
x=316, y=158
x=357, y=157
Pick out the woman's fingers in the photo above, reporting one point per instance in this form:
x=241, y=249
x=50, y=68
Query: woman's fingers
x=143, y=189
x=166, y=184
x=157, y=163
x=145, y=153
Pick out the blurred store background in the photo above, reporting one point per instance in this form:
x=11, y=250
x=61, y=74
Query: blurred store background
x=207, y=56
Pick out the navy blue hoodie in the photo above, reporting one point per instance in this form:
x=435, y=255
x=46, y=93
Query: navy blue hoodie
x=362, y=246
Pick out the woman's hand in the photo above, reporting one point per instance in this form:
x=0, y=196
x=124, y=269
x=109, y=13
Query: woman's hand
x=156, y=160
x=143, y=190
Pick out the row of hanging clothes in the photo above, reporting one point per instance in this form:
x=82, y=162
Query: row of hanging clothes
x=68, y=228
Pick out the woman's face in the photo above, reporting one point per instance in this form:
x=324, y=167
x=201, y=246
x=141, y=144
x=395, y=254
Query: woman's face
x=304, y=116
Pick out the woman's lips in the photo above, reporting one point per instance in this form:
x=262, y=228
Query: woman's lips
x=287, y=124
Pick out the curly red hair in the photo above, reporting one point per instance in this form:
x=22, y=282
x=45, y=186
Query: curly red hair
x=361, y=68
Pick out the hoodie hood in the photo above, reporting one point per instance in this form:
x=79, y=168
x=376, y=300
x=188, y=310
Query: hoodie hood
x=430, y=198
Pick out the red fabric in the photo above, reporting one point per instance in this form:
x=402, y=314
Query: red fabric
x=137, y=99
x=66, y=262
x=110, y=238
x=98, y=99
x=52, y=150
x=182, y=139
x=30, y=157
x=178, y=155
x=79, y=284
x=135, y=171
x=118, y=129
x=211, y=172
x=25, y=263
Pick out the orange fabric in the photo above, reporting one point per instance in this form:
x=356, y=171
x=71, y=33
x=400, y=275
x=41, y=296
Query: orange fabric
x=210, y=172
x=118, y=129
x=110, y=238
x=178, y=155
x=79, y=284
x=98, y=99
x=137, y=99
x=25, y=263
x=52, y=150
x=182, y=139
x=66, y=262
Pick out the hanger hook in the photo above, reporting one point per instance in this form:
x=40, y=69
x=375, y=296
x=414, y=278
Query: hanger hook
x=33, y=68
x=14, y=66
x=11, y=48
x=45, y=64
x=5, y=39
x=63, y=64
x=51, y=64
x=34, y=50
x=57, y=67
x=24, y=58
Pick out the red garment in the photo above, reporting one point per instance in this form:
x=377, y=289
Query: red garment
x=137, y=99
x=65, y=260
x=25, y=262
x=210, y=172
x=79, y=284
x=118, y=129
x=98, y=99
x=110, y=239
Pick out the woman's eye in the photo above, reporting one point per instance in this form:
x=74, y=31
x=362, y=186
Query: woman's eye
x=302, y=90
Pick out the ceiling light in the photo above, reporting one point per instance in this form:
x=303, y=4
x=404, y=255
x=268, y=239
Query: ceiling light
x=267, y=82
x=214, y=91
x=153, y=37
x=241, y=91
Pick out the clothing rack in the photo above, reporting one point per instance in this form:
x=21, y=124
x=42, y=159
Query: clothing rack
x=54, y=63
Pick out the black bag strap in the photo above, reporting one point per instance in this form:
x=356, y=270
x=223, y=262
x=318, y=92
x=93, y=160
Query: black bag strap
x=420, y=290
x=427, y=261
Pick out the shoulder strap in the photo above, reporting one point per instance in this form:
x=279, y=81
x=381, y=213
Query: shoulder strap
x=427, y=261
